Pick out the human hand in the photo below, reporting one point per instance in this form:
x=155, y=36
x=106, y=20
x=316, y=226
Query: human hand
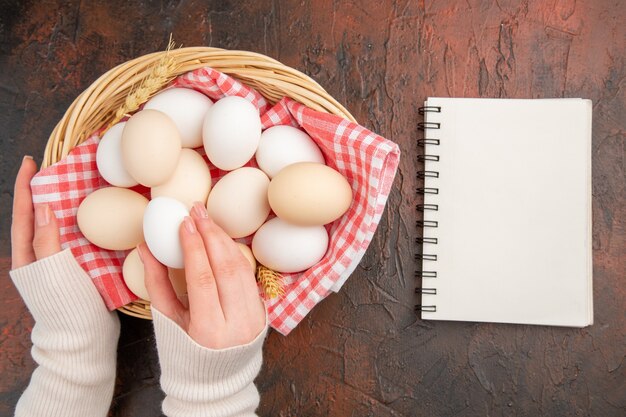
x=225, y=308
x=75, y=348
x=34, y=232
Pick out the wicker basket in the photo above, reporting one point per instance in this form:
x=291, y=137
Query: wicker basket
x=95, y=106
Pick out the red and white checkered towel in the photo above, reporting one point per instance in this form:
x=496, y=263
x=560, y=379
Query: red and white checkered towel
x=368, y=161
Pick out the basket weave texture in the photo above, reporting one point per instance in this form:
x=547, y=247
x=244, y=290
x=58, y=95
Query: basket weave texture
x=95, y=107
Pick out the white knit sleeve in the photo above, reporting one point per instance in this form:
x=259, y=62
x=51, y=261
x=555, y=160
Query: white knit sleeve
x=74, y=340
x=204, y=382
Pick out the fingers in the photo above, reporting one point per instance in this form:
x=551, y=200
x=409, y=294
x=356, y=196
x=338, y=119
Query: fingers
x=236, y=284
x=204, y=302
x=22, y=225
x=162, y=294
x=46, y=240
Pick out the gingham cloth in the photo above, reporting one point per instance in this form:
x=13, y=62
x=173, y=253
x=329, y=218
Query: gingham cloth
x=368, y=161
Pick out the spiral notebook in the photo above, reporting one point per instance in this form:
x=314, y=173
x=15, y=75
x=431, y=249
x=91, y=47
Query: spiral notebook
x=506, y=226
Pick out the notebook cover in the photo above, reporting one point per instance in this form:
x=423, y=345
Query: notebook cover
x=514, y=211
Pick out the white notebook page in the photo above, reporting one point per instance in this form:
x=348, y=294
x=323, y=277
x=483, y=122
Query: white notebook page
x=514, y=211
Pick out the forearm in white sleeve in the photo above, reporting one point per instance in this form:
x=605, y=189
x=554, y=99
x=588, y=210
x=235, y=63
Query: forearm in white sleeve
x=199, y=381
x=74, y=340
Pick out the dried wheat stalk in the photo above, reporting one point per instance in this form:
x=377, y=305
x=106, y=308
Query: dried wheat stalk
x=159, y=76
x=271, y=282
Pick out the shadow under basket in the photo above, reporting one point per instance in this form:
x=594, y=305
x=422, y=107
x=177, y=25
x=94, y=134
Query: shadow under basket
x=96, y=106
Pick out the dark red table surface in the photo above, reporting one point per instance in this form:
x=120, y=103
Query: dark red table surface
x=362, y=351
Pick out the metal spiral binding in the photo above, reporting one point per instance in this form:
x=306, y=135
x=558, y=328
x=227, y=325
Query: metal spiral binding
x=422, y=240
x=427, y=224
x=424, y=158
x=424, y=174
x=424, y=207
x=425, y=141
x=428, y=125
x=429, y=109
x=425, y=190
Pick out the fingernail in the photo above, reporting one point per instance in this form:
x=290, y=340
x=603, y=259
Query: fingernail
x=189, y=225
x=139, y=253
x=26, y=157
x=200, y=210
x=42, y=215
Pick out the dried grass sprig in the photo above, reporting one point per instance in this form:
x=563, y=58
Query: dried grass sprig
x=162, y=72
x=271, y=282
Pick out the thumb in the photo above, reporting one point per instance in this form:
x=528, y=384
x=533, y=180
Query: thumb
x=162, y=294
x=46, y=240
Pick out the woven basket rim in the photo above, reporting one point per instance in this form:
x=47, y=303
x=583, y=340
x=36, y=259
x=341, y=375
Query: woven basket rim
x=96, y=105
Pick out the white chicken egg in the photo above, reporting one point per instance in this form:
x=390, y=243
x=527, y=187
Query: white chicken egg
x=285, y=145
x=231, y=132
x=161, y=223
x=186, y=108
x=285, y=247
x=109, y=158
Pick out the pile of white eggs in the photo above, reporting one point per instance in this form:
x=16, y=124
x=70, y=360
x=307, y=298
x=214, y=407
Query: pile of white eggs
x=156, y=148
